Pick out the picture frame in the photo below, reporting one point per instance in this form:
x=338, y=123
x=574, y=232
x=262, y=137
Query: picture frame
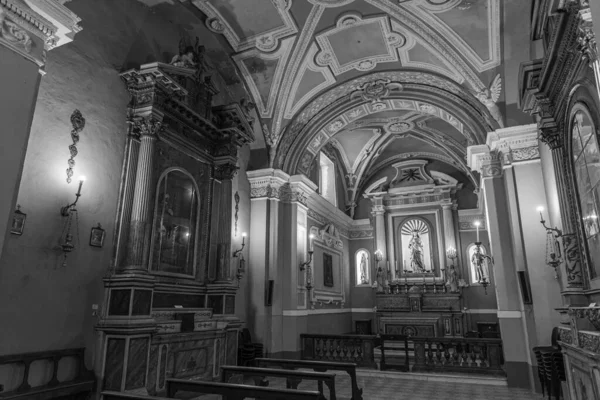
x=97, y=236
x=18, y=221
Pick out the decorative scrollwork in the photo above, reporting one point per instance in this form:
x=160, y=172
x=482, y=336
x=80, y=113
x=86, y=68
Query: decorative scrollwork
x=78, y=123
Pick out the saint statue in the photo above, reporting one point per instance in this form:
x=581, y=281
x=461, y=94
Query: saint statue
x=477, y=262
x=416, y=253
x=363, y=269
x=452, y=279
x=193, y=57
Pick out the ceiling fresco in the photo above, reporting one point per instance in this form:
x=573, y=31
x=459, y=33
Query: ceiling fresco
x=376, y=81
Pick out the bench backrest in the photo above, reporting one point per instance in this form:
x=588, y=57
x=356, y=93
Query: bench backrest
x=341, y=366
x=275, y=372
x=235, y=392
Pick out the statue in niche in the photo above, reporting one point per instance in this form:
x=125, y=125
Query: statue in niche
x=363, y=268
x=247, y=107
x=452, y=282
x=416, y=253
x=477, y=261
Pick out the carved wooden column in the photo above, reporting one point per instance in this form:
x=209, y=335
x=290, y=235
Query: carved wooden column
x=586, y=40
x=141, y=221
x=221, y=217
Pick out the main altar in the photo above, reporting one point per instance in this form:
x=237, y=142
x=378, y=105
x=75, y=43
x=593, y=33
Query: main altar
x=418, y=281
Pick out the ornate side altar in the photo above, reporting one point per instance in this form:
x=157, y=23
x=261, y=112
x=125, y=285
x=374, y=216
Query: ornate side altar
x=169, y=307
x=424, y=310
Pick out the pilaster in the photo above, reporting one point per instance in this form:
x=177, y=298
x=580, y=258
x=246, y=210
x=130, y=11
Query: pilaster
x=28, y=30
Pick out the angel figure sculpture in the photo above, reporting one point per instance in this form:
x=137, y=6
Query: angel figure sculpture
x=490, y=96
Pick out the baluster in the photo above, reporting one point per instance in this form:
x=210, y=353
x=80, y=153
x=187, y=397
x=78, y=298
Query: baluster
x=345, y=350
x=480, y=362
x=455, y=354
x=465, y=355
x=338, y=349
x=438, y=353
x=484, y=356
x=318, y=348
x=429, y=354
x=472, y=356
x=447, y=348
x=359, y=351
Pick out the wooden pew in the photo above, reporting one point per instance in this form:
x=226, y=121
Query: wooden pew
x=293, y=378
x=110, y=395
x=81, y=384
x=319, y=366
x=232, y=391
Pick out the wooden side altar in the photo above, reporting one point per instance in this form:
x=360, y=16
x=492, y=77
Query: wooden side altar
x=424, y=310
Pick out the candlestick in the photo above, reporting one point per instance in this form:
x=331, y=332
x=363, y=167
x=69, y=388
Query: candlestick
x=243, y=238
x=540, y=209
x=311, y=237
x=477, y=227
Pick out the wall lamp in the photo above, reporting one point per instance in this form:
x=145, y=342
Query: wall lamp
x=552, y=234
x=65, y=211
x=242, y=262
x=306, y=265
x=557, y=232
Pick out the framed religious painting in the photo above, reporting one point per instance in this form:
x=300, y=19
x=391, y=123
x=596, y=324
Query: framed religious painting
x=18, y=222
x=327, y=270
x=97, y=236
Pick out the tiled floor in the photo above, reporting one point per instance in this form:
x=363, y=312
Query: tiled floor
x=398, y=386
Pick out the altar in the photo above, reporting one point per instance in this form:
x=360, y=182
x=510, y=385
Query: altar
x=419, y=310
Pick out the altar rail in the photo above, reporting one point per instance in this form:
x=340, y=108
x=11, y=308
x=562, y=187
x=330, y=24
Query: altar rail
x=357, y=349
x=472, y=355
x=65, y=378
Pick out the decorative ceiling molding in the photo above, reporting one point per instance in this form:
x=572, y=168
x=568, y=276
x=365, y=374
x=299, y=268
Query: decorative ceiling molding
x=281, y=55
x=442, y=138
x=342, y=153
x=421, y=29
x=363, y=110
x=331, y=3
x=427, y=10
x=307, y=65
x=351, y=24
x=304, y=40
x=265, y=41
x=444, y=68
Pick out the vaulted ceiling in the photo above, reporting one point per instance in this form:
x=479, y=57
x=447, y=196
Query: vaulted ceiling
x=376, y=80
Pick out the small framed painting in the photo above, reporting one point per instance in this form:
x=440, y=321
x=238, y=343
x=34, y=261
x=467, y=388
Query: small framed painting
x=18, y=222
x=97, y=236
x=327, y=270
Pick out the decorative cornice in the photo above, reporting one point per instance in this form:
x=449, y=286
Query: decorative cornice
x=266, y=183
x=329, y=235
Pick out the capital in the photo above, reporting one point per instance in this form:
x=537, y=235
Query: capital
x=146, y=126
x=552, y=137
x=225, y=171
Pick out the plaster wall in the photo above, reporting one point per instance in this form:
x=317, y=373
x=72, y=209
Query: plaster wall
x=36, y=291
x=19, y=78
x=361, y=296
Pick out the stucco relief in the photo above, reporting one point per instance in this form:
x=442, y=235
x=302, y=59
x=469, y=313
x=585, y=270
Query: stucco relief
x=525, y=154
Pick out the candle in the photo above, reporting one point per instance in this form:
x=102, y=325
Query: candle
x=541, y=210
x=311, y=237
x=81, y=180
x=243, y=238
x=477, y=227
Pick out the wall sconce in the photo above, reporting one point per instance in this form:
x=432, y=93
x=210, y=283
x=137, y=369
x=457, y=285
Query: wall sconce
x=306, y=265
x=551, y=235
x=242, y=263
x=64, y=211
x=557, y=232
x=481, y=260
x=70, y=212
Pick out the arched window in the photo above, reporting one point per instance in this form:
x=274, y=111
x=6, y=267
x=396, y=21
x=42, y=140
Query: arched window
x=327, y=178
x=175, y=224
x=416, y=242
x=586, y=163
x=363, y=268
x=477, y=273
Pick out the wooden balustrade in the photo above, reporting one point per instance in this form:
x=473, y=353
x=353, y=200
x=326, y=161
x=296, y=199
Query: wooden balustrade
x=82, y=384
x=458, y=355
x=357, y=349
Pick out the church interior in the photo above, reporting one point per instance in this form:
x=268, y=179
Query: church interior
x=299, y=199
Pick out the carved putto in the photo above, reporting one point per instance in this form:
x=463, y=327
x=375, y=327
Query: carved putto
x=489, y=98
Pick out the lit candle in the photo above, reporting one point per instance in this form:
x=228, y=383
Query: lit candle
x=541, y=210
x=477, y=227
x=81, y=180
x=311, y=237
x=243, y=238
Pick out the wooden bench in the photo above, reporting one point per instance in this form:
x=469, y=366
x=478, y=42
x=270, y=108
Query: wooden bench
x=293, y=378
x=319, y=366
x=385, y=364
x=238, y=392
x=82, y=384
x=110, y=395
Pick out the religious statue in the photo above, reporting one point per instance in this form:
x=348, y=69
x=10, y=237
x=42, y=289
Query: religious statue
x=363, y=269
x=489, y=98
x=416, y=253
x=247, y=107
x=452, y=279
x=193, y=57
x=477, y=262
